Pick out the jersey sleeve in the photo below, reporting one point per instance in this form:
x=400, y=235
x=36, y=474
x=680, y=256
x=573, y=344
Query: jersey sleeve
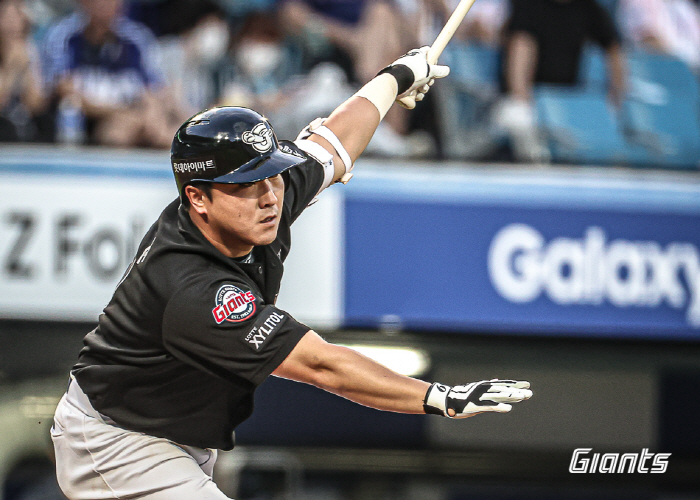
x=303, y=182
x=226, y=330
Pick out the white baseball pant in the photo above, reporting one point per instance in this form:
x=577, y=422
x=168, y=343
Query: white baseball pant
x=96, y=460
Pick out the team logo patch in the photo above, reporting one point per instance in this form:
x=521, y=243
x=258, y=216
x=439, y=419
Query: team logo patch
x=263, y=329
x=260, y=137
x=233, y=304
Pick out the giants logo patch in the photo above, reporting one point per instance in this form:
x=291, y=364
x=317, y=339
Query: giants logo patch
x=233, y=304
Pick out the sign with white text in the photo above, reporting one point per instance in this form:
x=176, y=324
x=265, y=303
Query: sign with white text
x=609, y=258
x=76, y=217
x=66, y=242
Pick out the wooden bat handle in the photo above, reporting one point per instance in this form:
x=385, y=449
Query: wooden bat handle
x=441, y=42
x=448, y=30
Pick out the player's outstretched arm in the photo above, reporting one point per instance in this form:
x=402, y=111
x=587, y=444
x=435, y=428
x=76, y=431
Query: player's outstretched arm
x=353, y=123
x=351, y=375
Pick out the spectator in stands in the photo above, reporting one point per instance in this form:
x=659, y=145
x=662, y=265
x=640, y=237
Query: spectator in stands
x=22, y=103
x=369, y=31
x=194, y=51
x=105, y=64
x=544, y=44
x=258, y=66
x=264, y=71
x=666, y=26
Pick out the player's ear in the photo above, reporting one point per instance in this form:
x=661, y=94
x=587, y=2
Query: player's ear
x=196, y=196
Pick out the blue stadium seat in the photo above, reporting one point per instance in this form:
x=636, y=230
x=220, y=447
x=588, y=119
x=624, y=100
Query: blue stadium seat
x=472, y=64
x=580, y=127
x=669, y=131
x=465, y=97
x=593, y=73
x=668, y=72
x=662, y=112
x=659, y=124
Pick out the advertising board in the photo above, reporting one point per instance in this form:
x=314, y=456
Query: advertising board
x=551, y=252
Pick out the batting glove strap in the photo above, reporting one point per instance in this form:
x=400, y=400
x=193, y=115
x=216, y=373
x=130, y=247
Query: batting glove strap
x=403, y=74
x=435, y=401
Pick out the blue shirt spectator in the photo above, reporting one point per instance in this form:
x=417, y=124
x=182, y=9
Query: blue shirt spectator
x=103, y=65
x=114, y=72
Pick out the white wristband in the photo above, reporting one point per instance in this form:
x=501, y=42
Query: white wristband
x=380, y=91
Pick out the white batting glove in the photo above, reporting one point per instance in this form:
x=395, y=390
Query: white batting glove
x=415, y=75
x=462, y=401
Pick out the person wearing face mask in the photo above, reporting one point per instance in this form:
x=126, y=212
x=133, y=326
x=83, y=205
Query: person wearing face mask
x=257, y=67
x=194, y=53
x=262, y=70
x=107, y=67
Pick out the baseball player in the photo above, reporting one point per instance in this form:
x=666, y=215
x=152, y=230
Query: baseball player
x=192, y=328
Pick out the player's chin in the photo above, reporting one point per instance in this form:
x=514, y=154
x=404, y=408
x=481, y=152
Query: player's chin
x=266, y=235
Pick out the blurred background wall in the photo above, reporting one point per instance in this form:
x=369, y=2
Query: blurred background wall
x=541, y=229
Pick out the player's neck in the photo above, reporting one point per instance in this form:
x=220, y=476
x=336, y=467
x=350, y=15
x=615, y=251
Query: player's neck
x=230, y=247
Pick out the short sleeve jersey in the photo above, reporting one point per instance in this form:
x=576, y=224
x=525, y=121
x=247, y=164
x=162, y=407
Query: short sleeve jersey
x=190, y=333
x=560, y=29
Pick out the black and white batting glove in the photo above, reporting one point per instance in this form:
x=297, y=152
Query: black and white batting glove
x=463, y=401
x=414, y=75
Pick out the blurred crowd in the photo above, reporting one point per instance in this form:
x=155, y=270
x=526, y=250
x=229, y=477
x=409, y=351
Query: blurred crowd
x=127, y=73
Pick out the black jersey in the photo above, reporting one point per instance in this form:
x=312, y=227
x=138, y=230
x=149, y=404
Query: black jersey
x=190, y=333
x=561, y=30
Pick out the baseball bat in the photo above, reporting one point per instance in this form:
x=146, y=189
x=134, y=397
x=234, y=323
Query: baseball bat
x=442, y=40
x=449, y=30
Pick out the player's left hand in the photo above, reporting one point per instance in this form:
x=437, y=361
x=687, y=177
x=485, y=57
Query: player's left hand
x=462, y=401
x=423, y=75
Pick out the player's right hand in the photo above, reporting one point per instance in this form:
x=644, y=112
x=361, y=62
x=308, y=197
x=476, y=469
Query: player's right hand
x=415, y=75
x=462, y=401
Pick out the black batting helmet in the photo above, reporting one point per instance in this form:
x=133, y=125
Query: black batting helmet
x=231, y=145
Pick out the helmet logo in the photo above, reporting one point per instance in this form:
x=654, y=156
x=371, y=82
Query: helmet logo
x=260, y=137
